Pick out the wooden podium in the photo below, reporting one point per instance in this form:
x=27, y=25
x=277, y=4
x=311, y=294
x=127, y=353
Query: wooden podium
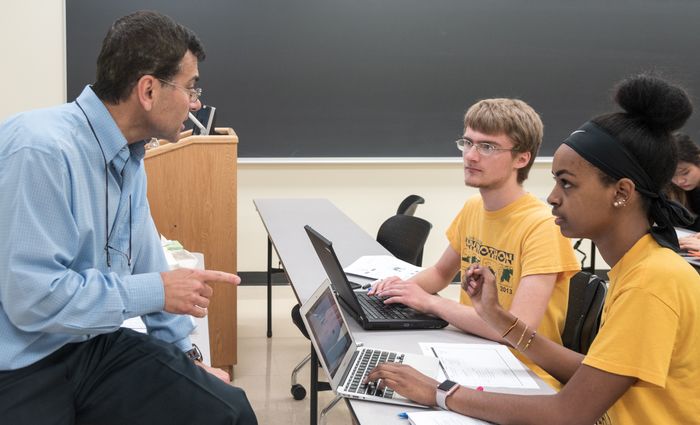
x=192, y=194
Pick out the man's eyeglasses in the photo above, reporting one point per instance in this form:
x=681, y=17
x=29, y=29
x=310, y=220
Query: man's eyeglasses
x=194, y=94
x=485, y=148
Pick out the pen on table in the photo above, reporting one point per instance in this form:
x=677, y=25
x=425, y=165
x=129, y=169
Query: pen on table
x=403, y=415
x=439, y=362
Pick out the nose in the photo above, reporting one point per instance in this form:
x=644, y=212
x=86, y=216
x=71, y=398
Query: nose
x=196, y=105
x=552, y=199
x=470, y=153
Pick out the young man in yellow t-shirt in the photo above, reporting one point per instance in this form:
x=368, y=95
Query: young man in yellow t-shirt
x=504, y=228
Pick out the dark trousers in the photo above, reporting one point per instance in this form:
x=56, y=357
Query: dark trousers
x=123, y=378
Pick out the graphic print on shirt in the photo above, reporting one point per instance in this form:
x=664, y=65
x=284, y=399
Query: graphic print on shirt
x=500, y=262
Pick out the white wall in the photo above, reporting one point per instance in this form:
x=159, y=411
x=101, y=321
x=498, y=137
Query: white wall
x=33, y=65
x=33, y=74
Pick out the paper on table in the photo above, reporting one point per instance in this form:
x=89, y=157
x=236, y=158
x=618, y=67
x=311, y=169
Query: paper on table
x=485, y=365
x=381, y=266
x=136, y=324
x=441, y=417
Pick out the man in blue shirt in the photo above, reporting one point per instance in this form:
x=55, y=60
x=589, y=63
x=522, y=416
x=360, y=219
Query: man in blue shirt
x=80, y=253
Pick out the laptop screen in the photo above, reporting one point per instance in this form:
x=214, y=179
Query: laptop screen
x=329, y=331
x=331, y=264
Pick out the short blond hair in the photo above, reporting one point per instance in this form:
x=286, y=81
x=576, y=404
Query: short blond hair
x=512, y=117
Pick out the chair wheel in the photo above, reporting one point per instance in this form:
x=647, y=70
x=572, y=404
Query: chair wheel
x=298, y=392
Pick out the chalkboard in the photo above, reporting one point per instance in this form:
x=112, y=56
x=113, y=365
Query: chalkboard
x=393, y=78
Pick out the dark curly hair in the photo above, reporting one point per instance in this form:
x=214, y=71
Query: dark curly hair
x=142, y=43
x=652, y=109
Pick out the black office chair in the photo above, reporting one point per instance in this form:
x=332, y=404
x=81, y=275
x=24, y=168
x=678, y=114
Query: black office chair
x=586, y=297
x=409, y=204
x=404, y=236
x=389, y=233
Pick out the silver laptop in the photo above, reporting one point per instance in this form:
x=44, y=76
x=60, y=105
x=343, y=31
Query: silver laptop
x=347, y=363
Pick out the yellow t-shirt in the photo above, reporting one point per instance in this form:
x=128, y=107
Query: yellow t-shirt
x=518, y=240
x=650, y=330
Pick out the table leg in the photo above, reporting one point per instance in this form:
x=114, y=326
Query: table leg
x=313, y=388
x=269, y=288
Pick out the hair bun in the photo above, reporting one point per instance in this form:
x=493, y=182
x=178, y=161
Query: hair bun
x=661, y=105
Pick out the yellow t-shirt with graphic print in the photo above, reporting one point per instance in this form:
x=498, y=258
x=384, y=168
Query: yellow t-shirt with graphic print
x=650, y=330
x=518, y=240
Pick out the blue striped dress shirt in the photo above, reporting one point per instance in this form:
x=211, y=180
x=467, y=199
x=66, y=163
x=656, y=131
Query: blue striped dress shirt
x=55, y=285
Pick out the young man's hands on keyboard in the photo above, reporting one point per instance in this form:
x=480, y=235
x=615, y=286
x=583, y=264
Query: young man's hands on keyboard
x=394, y=290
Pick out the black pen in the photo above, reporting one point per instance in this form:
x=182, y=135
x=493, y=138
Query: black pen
x=439, y=362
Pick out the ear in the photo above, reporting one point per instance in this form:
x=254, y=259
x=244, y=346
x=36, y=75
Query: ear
x=522, y=159
x=146, y=88
x=624, y=191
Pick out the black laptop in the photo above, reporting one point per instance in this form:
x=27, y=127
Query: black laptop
x=369, y=311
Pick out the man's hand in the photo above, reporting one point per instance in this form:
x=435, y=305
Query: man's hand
x=219, y=373
x=187, y=291
x=406, y=381
x=404, y=292
x=381, y=284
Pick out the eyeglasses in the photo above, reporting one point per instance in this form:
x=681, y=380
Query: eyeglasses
x=194, y=94
x=485, y=148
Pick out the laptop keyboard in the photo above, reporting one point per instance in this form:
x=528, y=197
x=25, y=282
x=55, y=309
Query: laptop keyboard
x=368, y=360
x=376, y=309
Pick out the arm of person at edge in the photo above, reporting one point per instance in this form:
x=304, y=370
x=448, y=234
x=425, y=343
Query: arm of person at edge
x=588, y=392
x=529, y=303
x=690, y=243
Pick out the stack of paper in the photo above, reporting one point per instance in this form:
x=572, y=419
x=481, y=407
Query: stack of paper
x=382, y=266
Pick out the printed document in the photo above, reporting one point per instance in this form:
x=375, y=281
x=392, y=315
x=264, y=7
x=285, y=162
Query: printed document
x=480, y=365
x=381, y=266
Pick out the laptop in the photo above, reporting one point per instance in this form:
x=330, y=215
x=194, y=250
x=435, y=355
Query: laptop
x=369, y=311
x=345, y=362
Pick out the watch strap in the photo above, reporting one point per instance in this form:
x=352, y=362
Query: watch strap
x=442, y=394
x=194, y=354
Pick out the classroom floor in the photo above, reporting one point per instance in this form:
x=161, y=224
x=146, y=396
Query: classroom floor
x=265, y=364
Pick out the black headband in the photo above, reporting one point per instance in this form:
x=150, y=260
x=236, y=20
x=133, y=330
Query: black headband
x=602, y=150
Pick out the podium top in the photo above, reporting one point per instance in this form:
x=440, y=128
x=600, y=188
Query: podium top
x=223, y=135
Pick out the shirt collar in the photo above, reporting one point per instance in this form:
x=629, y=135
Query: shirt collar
x=110, y=136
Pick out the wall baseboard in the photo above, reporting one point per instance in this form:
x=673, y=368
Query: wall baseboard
x=260, y=279
x=280, y=279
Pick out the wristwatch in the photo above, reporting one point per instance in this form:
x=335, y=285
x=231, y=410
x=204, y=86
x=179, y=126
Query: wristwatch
x=194, y=354
x=444, y=390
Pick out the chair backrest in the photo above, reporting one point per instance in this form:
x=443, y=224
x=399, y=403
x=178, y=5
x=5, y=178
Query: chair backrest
x=409, y=204
x=586, y=297
x=404, y=236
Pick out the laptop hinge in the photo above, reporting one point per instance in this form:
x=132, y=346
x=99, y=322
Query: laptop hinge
x=349, y=307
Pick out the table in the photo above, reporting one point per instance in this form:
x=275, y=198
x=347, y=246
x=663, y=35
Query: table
x=284, y=220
